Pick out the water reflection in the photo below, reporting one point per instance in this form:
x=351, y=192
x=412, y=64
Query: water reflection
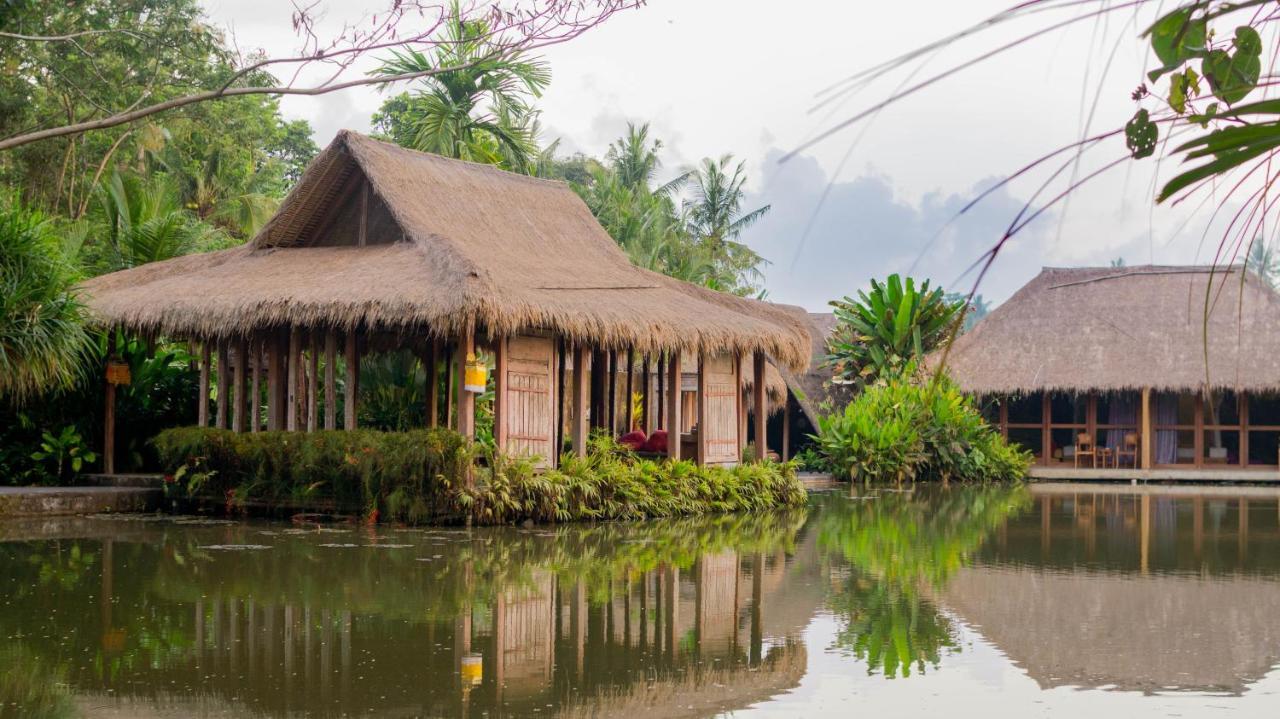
x=1102, y=588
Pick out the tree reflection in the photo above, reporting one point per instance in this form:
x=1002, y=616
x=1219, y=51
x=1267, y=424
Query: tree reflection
x=900, y=547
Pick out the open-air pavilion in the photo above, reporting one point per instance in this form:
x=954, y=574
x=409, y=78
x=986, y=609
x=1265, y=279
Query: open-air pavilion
x=1160, y=372
x=379, y=249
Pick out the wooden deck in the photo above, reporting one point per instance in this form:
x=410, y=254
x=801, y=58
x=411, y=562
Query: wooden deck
x=1124, y=474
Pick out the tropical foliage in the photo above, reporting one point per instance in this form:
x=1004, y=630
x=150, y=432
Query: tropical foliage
x=916, y=429
x=878, y=334
x=42, y=338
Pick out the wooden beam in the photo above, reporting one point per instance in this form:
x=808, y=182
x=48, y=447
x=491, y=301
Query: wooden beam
x=202, y=407
x=466, y=400
x=224, y=380
x=581, y=378
x=350, y=404
x=646, y=405
x=330, y=380
x=255, y=388
x=661, y=415
x=561, y=362
x=739, y=389
x=273, y=383
x=700, y=451
x=240, y=386
x=433, y=383
x=599, y=367
x=449, y=392
x=762, y=435
x=1144, y=430
x=109, y=430
x=631, y=405
x=500, y=407
x=364, y=213
x=673, y=406
x=612, y=396
x=313, y=383
x=786, y=429
x=295, y=369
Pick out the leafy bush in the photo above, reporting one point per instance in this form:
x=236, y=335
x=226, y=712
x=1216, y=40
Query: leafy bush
x=421, y=475
x=908, y=430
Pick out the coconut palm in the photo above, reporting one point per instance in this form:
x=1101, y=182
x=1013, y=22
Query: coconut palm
x=142, y=220
x=42, y=337
x=478, y=110
x=1263, y=261
x=715, y=218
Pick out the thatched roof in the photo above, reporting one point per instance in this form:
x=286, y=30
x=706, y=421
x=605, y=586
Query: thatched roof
x=812, y=385
x=1098, y=328
x=449, y=243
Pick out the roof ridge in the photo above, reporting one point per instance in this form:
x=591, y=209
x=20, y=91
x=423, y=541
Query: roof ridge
x=348, y=135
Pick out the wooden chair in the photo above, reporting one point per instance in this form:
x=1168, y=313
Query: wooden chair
x=1084, y=447
x=1128, y=449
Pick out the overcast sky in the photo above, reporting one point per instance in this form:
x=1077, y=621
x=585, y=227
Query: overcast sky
x=741, y=76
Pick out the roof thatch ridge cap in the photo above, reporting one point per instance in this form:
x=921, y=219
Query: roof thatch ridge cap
x=347, y=135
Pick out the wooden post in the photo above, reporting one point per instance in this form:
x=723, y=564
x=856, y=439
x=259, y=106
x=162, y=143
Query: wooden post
x=661, y=414
x=255, y=390
x=786, y=429
x=500, y=423
x=295, y=369
x=330, y=380
x=599, y=368
x=673, y=406
x=700, y=450
x=273, y=383
x=742, y=404
x=109, y=429
x=313, y=384
x=1144, y=432
x=466, y=400
x=646, y=404
x=580, y=392
x=449, y=393
x=762, y=437
x=224, y=380
x=561, y=360
x=241, y=389
x=631, y=407
x=202, y=409
x=363, y=238
x=433, y=384
x=612, y=380
x=353, y=381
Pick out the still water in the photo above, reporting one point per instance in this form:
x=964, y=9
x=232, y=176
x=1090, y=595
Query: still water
x=993, y=602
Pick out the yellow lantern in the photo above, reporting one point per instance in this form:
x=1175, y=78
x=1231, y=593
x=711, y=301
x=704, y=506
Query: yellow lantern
x=477, y=374
x=118, y=373
x=472, y=670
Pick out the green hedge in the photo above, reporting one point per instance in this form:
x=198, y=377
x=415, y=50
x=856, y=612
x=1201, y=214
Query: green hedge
x=418, y=476
x=915, y=428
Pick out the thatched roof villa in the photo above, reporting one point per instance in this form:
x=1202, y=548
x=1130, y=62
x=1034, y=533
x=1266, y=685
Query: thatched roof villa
x=1155, y=366
x=380, y=248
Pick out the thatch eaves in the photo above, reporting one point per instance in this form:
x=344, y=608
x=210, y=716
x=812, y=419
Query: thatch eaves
x=449, y=244
x=1108, y=329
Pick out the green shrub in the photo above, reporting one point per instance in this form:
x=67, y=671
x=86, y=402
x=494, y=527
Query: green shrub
x=907, y=430
x=421, y=475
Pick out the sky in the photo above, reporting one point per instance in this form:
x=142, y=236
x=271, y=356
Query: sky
x=746, y=76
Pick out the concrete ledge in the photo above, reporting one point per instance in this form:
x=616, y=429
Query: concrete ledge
x=1066, y=474
x=56, y=501
x=125, y=480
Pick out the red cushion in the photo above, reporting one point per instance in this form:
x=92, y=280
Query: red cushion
x=633, y=440
x=657, y=442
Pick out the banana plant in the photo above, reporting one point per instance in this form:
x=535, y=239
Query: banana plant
x=883, y=330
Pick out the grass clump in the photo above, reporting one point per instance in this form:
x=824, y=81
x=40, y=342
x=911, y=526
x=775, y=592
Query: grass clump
x=422, y=476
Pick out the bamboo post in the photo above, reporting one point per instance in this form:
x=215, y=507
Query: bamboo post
x=313, y=384
x=220, y=417
x=700, y=451
x=762, y=439
x=109, y=429
x=673, y=406
x=330, y=380
x=580, y=392
x=466, y=400
x=241, y=389
x=500, y=394
x=202, y=408
x=295, y=367
x=353, y=381
x=631, y=369
x=433, y=385
x=255, y=390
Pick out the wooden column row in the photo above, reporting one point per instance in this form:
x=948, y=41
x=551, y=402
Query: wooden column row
x=292, y=381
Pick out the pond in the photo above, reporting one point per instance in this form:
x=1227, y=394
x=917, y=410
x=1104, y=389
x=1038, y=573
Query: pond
x=997, y=601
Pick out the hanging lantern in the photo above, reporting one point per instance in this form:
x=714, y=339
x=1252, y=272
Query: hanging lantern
x=477, y=374
x=118, y=373
x=472, y=670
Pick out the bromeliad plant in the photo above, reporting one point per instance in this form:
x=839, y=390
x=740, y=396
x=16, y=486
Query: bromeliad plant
x=883, y=330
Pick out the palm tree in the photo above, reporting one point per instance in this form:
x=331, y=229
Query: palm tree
x=143, y=220
x=478, y=110
x=42, y=338
x=1263, y=261
x=715, y=218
